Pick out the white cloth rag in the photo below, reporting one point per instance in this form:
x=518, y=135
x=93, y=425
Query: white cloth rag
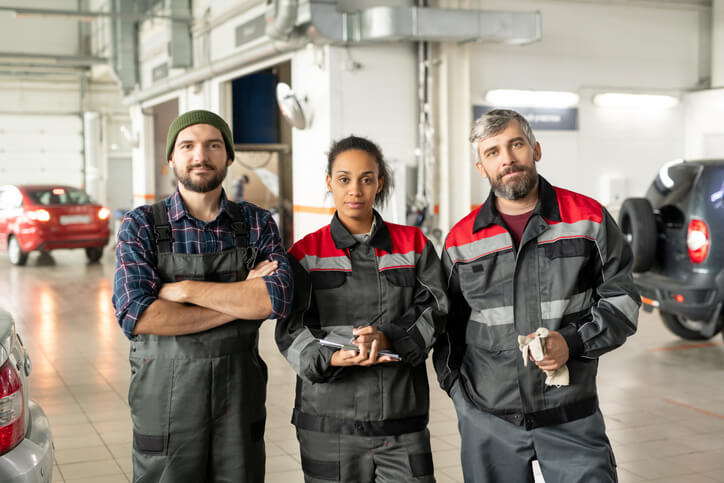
x=536, y=348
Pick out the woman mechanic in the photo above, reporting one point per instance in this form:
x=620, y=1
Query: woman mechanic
x=361, y=414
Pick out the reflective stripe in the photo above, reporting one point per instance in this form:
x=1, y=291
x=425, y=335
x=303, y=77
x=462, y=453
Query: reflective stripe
x=494, y=316
x=480, y=248
x=625, y=304
x=294, y=352
x=398, y=260
x=310, y=262
x=425, y=327
x=556, y=231
x=555, y=309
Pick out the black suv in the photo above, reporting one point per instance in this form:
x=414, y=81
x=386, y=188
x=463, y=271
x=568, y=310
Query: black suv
x=677, y=234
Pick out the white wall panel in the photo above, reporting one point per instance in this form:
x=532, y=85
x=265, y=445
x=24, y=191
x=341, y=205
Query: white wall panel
x=311, y=78
x=703, y=124
x=40, y=149
x=39, y=35
x=27, y=97
x=223, y=37
x=590, y=48
x=376, y=100
x=589, y=44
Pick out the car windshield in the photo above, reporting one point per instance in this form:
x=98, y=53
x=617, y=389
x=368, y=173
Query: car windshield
x=59, y=196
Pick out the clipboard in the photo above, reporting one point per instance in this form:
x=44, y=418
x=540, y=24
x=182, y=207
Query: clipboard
x=339, y=341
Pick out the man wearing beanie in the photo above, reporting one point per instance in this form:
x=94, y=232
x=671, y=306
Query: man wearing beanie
x=196, y=275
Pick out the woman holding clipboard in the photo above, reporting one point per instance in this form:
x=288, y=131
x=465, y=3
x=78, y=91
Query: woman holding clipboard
x=376, y=288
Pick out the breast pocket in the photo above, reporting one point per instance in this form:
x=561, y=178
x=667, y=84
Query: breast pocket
x=400, y=287
x=330, y=295
x=567, y=267
x=487, y=286
x=487, y=283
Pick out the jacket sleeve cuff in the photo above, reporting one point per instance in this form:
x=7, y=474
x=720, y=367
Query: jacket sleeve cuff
x=405, y=343
x=573, y=339
x=319, y=368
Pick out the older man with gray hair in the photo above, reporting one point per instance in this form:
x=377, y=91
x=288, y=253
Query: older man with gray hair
x=536, y=274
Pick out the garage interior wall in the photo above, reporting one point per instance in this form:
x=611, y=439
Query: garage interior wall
x=44, y=101
x=365, y=91
x=589, y=48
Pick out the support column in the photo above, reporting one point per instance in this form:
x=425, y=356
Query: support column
x=142, y=156
x=717, y=44
x=93, y=156
x=455, y=118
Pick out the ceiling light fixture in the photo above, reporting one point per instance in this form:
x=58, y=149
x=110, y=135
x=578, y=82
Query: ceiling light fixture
x=635, y=101
x=527, y=98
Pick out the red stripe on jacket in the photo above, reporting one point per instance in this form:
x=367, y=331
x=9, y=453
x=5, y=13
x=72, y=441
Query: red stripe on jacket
x=462, y=232
x=573, y=207
x=577, y=207
x=320, y=243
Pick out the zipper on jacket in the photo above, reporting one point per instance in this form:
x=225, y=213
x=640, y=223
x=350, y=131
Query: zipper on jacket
x=380, y=379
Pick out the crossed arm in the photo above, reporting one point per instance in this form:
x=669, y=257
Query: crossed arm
x=189, y=306
x=145, y=305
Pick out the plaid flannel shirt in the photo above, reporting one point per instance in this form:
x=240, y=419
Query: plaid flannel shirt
x=137, y=282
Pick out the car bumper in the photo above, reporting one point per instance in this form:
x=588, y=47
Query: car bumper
x=32, y=460
x=697, y=297
x=28, y=244
x=89, y=243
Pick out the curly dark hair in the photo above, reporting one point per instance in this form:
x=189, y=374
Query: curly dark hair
x=364, y=144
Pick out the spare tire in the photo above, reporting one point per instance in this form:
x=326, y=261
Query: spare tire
x=638, y=224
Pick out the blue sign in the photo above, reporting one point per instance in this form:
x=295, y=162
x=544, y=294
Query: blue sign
x=541, y=118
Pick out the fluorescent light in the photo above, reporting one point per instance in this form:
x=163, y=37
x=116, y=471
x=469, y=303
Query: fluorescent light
x=519, y=98
x=635, y=101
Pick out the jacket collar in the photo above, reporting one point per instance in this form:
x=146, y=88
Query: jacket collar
x=379, y=239
x=177, y=208
x=547, y=207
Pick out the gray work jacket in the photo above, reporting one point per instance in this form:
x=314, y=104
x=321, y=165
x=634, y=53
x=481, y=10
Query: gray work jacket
x=393, y=280
x=571, y=274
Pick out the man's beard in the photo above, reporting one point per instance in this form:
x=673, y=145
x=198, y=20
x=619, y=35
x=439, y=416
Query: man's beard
x=516, y=188
x=203, y=185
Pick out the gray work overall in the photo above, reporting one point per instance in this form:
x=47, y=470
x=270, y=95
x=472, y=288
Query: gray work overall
x=197, y=401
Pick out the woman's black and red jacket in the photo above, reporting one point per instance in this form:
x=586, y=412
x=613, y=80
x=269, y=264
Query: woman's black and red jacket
x=394, y=279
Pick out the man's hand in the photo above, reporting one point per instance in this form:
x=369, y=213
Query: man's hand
x=180, y=291
x=556, y=351
x=346, y=358
x=175, y=291
x=365, y=336
x=265, y=267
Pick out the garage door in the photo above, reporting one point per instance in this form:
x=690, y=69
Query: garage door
x=41, y=149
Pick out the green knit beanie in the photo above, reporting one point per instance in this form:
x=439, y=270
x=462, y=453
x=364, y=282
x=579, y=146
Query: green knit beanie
x=199, y=116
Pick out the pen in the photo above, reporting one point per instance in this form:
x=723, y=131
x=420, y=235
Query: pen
x=375, y=319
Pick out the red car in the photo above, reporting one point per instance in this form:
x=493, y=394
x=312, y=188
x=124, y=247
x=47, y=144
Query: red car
x=48, y=217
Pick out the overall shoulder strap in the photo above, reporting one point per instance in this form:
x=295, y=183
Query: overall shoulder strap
x=161, y=227
x=239, y=225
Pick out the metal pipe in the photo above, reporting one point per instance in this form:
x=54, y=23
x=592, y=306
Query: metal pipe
x=37, y=73
x=281, y=23
x=78, y=60
x=45, y=67
x=81, y=109
x=88, y=15
x=215, y=68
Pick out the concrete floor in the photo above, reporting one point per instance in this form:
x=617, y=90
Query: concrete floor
x=663, y=398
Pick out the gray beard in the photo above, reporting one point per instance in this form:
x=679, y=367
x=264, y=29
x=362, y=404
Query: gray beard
x=517, y=190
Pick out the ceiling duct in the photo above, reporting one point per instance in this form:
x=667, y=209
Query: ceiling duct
x=179, y=34
x=324, y=23
x=296, y=23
